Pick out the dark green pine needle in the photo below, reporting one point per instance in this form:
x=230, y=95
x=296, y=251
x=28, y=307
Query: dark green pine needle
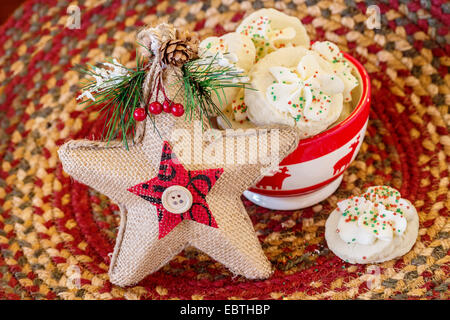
x=118, y=102
x=204, y=80
x=201, y=82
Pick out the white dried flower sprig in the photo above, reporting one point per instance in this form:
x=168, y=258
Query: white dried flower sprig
x=106, y=78
x=115, y=92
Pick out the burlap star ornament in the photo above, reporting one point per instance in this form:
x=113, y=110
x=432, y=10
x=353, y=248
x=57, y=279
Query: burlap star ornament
x=149, y=180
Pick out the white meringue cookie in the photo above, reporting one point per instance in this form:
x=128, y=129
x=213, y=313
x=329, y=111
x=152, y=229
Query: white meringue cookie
x=376, y=227
x=271, y=29
x=294, y=86
x=292, y=83
x=241, y=49
x=231, y=50
x=340, y=66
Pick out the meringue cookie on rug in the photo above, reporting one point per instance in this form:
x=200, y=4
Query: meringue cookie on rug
x=375, y=227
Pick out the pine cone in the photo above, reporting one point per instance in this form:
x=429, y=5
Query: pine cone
x=180, y=50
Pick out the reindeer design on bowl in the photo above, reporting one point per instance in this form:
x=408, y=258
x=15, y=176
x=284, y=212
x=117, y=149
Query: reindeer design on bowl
x=345, y=160
x=275, y=181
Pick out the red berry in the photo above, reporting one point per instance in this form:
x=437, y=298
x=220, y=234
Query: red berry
x=155, y=107
x=167, y=106
x=139, y=114
x=177, y=109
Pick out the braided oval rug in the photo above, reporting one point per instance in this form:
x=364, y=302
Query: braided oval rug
x=55, y=231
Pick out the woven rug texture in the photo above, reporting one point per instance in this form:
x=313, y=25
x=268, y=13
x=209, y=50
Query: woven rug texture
x=56, y=235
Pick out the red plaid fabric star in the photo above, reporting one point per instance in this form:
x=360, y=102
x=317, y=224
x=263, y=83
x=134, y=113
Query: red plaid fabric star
x=177, y=193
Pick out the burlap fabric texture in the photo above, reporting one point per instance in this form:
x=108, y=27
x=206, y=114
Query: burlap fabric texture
x=52, y=226
x=111, y=170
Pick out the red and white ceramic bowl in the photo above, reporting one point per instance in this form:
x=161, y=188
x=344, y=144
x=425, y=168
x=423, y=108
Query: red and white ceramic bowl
x=314, y=170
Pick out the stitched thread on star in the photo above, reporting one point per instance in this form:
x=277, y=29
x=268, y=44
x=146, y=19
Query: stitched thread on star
x=172, y=173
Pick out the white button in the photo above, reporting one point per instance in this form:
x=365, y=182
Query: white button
x=176, y=199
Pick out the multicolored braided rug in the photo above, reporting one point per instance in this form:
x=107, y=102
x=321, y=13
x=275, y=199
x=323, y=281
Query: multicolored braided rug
x=55, y=231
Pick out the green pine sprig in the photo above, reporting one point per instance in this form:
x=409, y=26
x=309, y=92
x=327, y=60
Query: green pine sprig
x=205, y=78
x=118, y=97
x=120, y=94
